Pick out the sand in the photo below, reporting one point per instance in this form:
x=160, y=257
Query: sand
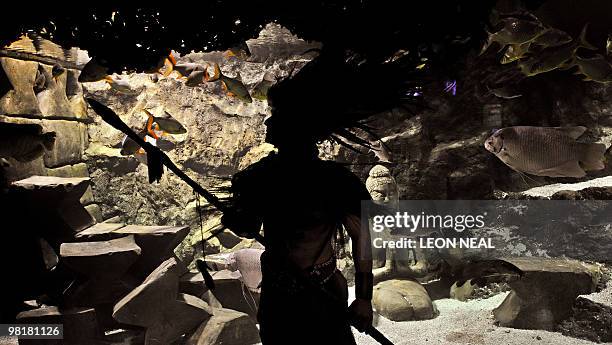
x=471, y=323
x=550, y=189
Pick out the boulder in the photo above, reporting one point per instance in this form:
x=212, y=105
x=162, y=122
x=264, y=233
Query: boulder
x=181, y=317
x=80, y=325
x=402, y=300
x=103, y=260
x=56, y=200
x=157, y=243
x=546, y=292
x=226, y=327
x=145, y=305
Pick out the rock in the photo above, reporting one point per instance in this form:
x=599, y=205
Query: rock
x=157, y=243
x=80, y=325
x=546, y=292
x=56, y=200
x=181, y=317
x=226, y=327
x=104, y=260
x=192, y=283
x=20, y=99
x=230, y=292
x=402, y=300
x=70, y=143
x=52, y=100
x=104, y=263
x=100, y=232
x=276, y=42
x=145, y=304
x=76, y=170
x=463, y=292
x=95, y=211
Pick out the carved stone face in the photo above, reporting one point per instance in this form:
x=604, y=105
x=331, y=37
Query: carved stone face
x=382, y=186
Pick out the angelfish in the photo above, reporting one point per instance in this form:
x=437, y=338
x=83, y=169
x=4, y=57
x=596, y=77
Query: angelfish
x=546, y=151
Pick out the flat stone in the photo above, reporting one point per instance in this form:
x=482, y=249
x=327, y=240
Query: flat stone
x=80, y=324
x=145, y=304
x=157, y=243
x=56, y=199
x=74, y=170
x=101, y=231
x=181, y=317
x=546, y=292
x=21, y=98
x=402, y=300
x=226, y=327
x=103, y=259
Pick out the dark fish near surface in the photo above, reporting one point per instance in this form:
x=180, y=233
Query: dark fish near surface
x=166, y=124
x=552, y=58
x=57, y=70
x=552, y=38
x=596, y=69
x=24, y=143
x=196, y=78
x=546, y=151
x=233, y=86
x=240, y=51
x=260, y=91
x=43, y=78
x=186, y=69
x=515, y=52
x=514, y=31
x=120, y=85
x=94, y=70
x=505, y=92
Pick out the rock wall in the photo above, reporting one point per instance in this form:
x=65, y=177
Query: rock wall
x=58, y=107
x=223, y=135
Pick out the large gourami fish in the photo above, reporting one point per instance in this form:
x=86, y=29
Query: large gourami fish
x=546, y=151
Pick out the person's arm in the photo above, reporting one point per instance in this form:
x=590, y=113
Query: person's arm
x=361, y=308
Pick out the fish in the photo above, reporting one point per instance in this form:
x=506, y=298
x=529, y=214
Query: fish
x=514, y=31
x=596, y=69
x=165, y=64
x=233, y=86
x=196, y=78
x=186, y=69
x=57, y=71
x=94, y=70
x=609, y=45
x=546, y=151
x=41, y=82
x=24, y=142
x=260, y=91
x=120, y=85
x=515, y=52
x=240, y=51
x=166, y=124
x=504, y=92
x=552, y=37
x=552, y=58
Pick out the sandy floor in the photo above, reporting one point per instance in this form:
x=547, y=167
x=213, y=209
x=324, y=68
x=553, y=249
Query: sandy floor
x=471, y=323
x=550, y=189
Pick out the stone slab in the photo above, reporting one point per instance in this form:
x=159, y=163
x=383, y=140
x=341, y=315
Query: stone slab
x=227, y=327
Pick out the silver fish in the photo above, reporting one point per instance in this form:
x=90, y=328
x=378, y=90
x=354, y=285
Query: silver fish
x=546, y=151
